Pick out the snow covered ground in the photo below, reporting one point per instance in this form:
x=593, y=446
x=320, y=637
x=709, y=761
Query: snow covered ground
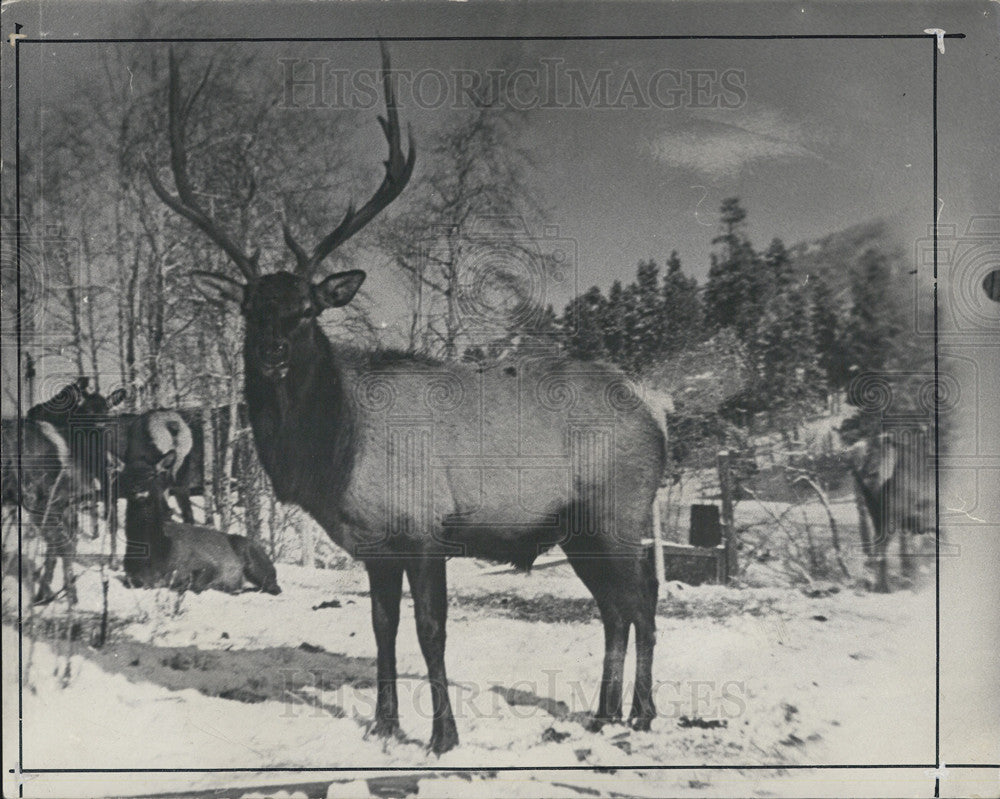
x=753, y=676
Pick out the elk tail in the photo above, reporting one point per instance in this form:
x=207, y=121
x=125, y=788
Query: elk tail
x=168, y=431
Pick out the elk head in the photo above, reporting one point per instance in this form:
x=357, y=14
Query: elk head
x=139, y=479
x=281, y=308
x=76, y=399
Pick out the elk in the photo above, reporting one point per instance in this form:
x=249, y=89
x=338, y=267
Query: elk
x=891, y=472
x=39, y=475
x=406, y=461
x=96, y=437
x=182, y=556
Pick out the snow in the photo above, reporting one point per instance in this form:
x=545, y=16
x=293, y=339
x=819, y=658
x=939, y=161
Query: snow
x=846, y=678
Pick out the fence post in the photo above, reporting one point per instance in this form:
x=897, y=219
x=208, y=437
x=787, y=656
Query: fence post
x=724, y=462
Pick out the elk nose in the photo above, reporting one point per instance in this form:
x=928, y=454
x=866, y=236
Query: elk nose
x=274, y=352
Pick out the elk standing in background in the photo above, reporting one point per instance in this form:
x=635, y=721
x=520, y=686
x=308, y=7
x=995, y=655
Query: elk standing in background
x=892, y=474
x=96, y=437
x=182, y=556
x=51, y=488
x=405, y=461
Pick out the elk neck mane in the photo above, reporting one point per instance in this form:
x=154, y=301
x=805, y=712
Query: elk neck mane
x=144, y=518
x=305, y=429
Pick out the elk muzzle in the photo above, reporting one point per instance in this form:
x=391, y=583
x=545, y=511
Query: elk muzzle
x=273, y=356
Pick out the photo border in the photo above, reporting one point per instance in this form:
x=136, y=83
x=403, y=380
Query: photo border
x=17, y=40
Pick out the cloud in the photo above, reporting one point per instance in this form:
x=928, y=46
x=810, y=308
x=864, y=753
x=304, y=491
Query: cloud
x=721, y=149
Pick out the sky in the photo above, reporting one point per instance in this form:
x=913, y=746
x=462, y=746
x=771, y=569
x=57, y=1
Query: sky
x=812, y=135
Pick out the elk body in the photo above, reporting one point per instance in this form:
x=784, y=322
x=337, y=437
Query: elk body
x=405, y=461
x=49, y=486
x=161, y=552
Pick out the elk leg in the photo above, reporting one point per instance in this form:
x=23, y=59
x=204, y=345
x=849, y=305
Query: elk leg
x=386, y=580
x=606, y=584
x=69, y=579
x=905, y=562
x=643, y=708
x=609, y=707
x=68, y=547
x=428, y=584
x=882, y=563
x=44, y=593
x=183, y=497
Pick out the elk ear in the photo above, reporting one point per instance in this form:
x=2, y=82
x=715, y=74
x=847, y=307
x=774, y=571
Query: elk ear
x=117, y=397
x=218, y=288
x=337, y=289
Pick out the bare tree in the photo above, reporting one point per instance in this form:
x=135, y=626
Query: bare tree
x=464, y=231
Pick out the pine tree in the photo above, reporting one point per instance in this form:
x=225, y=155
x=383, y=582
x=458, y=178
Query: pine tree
x=646, y=330
x=829, y=326
x=614, y=323
x=683, y=313
x=582, y=325
x=737, y=281
x=874, y=322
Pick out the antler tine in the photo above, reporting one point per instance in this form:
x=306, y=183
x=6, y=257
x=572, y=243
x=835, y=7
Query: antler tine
x=301, y=256
x=185, y=203
x=398, y=169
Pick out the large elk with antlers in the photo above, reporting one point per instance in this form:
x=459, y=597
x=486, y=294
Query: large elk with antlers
x=406, y=461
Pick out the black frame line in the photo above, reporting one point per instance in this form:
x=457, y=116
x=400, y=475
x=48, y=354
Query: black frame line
x=937, y=470
x=937, y=766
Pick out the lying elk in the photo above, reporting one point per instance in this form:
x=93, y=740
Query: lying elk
x=39, y=475
x=405, y=461
x=96, y=437
x=893, y=475
x=182, y=556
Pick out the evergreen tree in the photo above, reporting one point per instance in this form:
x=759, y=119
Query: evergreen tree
x=683, y=314
x=646, y=317
x=615, y=339
x=582, y=325
x=736, y=280
x=779, y=264
x=829, y=330
x=875, y=321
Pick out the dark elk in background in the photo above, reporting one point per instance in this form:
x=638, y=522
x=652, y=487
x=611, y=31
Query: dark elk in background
x=322, y=420
x=75, y=449
x=97, y=439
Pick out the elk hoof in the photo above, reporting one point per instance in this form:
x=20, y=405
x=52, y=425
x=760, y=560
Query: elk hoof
x=640, y=723
x=384, y=728
x=44, y=596
x=444, y=739
x=597, y=723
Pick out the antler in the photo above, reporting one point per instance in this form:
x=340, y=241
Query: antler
x=397, y=174
x=185, y=203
